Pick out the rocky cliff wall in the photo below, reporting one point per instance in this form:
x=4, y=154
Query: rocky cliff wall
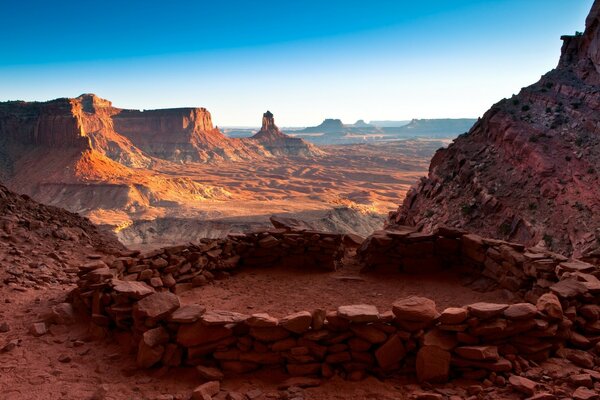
x=528, y=170
x=53, y=124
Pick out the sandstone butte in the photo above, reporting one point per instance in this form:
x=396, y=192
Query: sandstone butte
x=528, y=170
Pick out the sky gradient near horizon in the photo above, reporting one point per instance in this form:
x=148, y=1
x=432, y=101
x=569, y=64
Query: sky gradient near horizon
x=303, y=60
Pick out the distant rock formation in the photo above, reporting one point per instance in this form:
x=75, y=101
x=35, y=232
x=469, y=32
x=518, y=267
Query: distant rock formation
x=280, y=144
x=529, y=170
x=329, y=125
x=445, y=127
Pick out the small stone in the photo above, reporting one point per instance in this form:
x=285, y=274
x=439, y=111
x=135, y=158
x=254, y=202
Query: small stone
x=522, y=384
x=583, y=393
x=38, y=329
x=520, y=311
x=254, y=394
x=187, y=314
x=9, y=346
x=63, y=314
x=206, y=390
x=453, y=315
x=300, y=382
x=262, y=320
x=549, y=304
x=298, y=322
x=209, y=373
x=582, y=380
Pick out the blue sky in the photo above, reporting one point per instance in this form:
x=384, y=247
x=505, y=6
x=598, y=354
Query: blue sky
x=303, y=60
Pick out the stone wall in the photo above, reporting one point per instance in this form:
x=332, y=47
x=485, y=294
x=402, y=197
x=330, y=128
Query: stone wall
x=413, y=337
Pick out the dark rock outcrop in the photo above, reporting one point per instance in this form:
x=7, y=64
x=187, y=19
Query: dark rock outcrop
x=528, y=170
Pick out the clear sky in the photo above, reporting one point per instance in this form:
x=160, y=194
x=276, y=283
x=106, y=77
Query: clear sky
x=305, y=60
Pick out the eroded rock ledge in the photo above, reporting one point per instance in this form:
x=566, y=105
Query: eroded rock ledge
x=135, y=299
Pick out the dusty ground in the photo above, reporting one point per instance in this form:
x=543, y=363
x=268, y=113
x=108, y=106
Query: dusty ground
x=281, y=291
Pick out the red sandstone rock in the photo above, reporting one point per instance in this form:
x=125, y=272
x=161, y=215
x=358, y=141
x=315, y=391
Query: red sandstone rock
x=478, y=353
x=221, y=317
x=197, y=334
x=38, y=329
x=206, y=390
x=269, y=334
x=278, y=143
x=187, y=314
x=298, y=322
x=453, y=315
x=528, y=165
x=390, y=353
x=522, y=384
x=433, y=364
x=261, y=320
x=135, y=290
x=549, y=304
x=369, y=333
x=442, y=339
x=156, y=305
x=359, y=313
x=417, y=309
x=583, y=393
x=486, y=310
x=520, y=311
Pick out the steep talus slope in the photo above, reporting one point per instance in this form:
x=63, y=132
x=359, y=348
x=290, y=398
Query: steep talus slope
x=280, y=144
x=39, y=244
x=528, y=170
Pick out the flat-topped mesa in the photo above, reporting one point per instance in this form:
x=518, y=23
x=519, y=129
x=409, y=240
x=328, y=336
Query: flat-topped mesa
x=528, y=169
x=278, y=143
x=55, y=124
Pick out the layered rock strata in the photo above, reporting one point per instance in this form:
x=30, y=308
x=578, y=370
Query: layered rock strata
x=528, y=170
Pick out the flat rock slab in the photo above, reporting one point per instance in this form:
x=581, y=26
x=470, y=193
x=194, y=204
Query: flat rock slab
x=520, y=311
x=188, y=313
x=221, y=317
x=134, y=289
x=359, y=313
x=156, y=305
x=486, y=310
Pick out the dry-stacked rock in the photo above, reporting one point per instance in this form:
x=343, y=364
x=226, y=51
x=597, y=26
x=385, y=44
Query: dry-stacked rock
x=136, y=299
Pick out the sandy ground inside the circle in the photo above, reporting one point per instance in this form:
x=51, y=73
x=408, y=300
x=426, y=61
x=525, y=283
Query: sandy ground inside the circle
x=280, y=291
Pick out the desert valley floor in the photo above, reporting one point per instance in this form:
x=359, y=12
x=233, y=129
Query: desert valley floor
x=349, y=189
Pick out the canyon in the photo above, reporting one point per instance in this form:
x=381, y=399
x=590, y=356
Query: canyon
x=157, y=177
x=185, y=264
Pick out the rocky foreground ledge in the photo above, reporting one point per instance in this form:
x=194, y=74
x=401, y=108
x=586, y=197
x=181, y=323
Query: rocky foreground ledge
x=135, y=299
